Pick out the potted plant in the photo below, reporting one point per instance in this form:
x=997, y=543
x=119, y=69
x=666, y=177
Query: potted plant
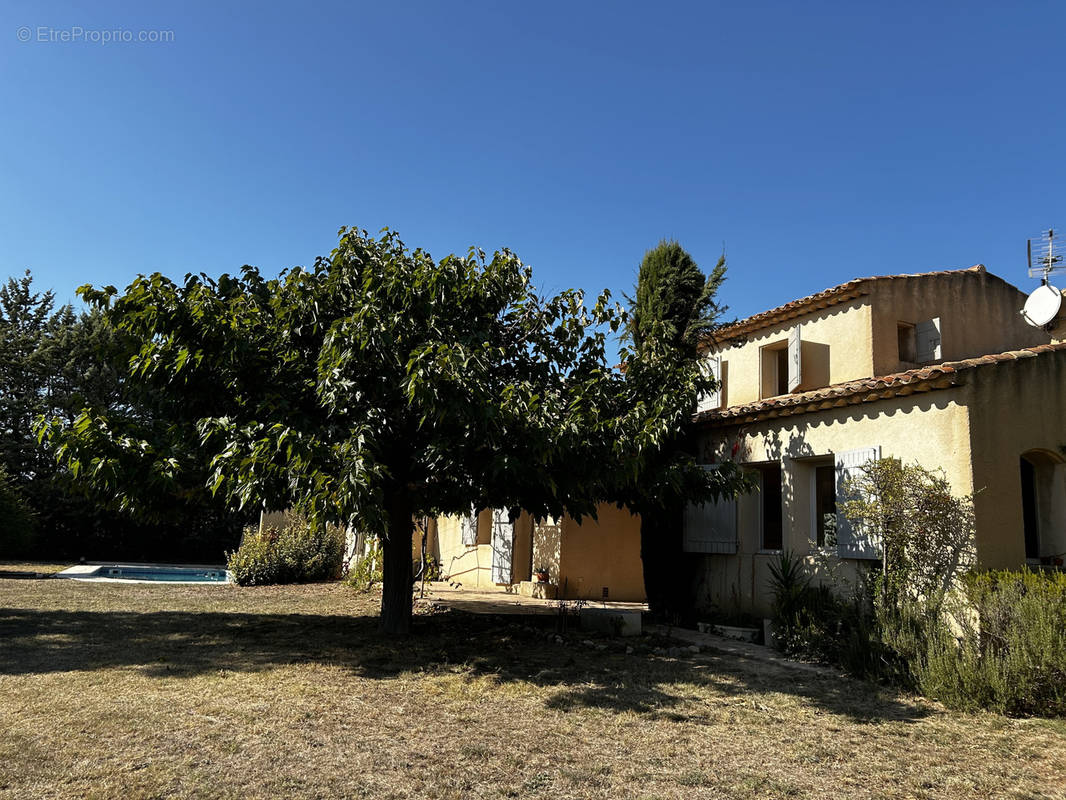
x=541, y=575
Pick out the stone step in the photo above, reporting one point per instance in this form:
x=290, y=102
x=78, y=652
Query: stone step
x=538, y=590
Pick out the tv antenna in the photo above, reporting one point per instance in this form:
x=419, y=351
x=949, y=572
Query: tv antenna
x=1043, y=304
x=1048, y=257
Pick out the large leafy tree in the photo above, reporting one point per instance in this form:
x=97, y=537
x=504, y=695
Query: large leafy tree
x=674, y=311
x=54, y=362
x=380, y=385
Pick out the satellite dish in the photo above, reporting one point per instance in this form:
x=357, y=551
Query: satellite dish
x=1042, y=305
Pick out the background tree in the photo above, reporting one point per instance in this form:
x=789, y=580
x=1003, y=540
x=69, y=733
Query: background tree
x=673, y=312
x=53, y=363
x=379, y=386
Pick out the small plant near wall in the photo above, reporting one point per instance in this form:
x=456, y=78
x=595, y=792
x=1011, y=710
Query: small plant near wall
x=365, y=574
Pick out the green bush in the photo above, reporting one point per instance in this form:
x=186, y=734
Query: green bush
x=297, y=553
x=816, y=624
x=367, y=570
x=1006, y=650
x=17, y=523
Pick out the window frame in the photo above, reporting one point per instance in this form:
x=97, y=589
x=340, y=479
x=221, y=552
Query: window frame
x=762, y=469
x=815, y=464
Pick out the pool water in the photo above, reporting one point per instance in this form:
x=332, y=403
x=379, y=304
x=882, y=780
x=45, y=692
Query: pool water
x=146, y=572
x=183, y=574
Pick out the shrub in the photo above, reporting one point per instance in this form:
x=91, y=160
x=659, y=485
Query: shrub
x=296, y=553
x=816, y=624
x=367, y=570
x=1006, y=650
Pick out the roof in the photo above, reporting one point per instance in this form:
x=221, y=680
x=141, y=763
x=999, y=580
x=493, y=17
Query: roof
x=868, y=390
x=830, y=297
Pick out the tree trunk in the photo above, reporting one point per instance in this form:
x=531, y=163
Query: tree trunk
x=656, y=570
x=665, y=573
x=396, y=574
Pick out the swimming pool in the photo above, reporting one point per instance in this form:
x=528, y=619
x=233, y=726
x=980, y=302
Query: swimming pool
x=156, y=573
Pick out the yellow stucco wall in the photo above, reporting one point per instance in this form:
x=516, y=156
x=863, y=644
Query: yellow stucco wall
x=599, y=553
x=1016, y=407
x=583, y=557
x=835, y=348
x=931, y=428
x=547, y=547
x=979, y=315
x=470, y=565
x=978, y=312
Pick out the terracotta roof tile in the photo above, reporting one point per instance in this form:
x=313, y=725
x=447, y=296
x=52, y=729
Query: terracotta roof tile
x=923, y=379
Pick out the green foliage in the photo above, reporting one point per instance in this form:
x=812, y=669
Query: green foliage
x=1005, y=648
x=17, y=523
x=815, y=624
x=366, y=573
x=381, y=385
x=432, y=569
x=54, y=363
x=674, y=303
x=790, y=585
x=992, y=640
x=673, y=310
x=300, y=552
x=926, y=532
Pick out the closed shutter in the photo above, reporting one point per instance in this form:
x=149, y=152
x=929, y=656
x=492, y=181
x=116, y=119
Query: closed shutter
x=927, y=340
x=712, y=400
x=469, y=528
x=795, y=366
x=710, y=527
x=852, y=540
x=502, y=547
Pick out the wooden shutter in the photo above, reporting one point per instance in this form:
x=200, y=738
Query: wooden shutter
x=468, y=524
x=713, y=400
x=852, y=540
x=795, y=366
x=927, y=340
x=710, y=527
x=502, y=546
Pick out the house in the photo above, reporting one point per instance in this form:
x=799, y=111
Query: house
x=594, y=559
x=937, y=368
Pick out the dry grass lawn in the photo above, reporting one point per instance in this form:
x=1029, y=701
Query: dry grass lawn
x=141, y=691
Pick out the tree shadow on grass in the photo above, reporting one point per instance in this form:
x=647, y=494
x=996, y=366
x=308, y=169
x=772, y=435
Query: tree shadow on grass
x=179, y=644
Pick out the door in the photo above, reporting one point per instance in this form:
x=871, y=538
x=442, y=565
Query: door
x=502, y=547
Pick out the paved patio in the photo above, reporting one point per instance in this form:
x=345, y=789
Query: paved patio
x=506, y=601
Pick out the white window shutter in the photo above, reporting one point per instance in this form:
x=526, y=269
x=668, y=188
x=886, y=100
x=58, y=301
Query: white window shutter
x=795, y=366
x=710, y=527
x=852, y=541
x=713, y=400
x=927, y=340
x=468, y=525
x=502, y=546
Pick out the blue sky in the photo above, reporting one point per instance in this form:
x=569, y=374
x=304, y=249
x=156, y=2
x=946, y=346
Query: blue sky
x=818, y=141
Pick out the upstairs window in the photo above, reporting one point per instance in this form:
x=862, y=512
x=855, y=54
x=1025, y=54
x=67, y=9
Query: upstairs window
x=782, y=366
x=919, y=343
x=906, y=342
x=713, y=400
